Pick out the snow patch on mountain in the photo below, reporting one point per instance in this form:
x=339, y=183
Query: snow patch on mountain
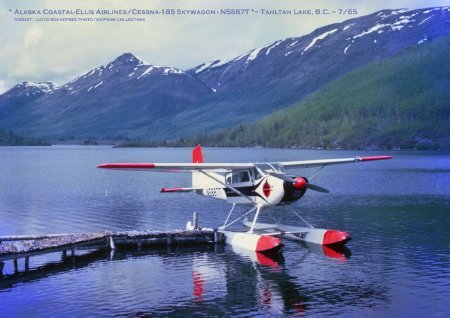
x=423, y=21
x=254, y=54
x=317, y=38
x=348, y=46
x=171, y=70
x=34, y=88
x=375, y=28
x=205, y=66
x=273, y=46
x=146, y=72
x=423, y=40
x=396, y=12
x=348, y=26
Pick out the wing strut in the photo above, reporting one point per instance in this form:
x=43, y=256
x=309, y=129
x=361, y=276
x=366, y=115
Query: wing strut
x=315, y=173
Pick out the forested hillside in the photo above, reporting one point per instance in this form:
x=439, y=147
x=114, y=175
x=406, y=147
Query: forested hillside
x=401, y=102
x=8, y=138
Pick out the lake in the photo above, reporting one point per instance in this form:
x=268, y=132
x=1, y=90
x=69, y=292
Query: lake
x=397, y=264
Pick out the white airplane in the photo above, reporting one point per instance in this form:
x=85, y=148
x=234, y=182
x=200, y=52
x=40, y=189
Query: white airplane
x=258, y=185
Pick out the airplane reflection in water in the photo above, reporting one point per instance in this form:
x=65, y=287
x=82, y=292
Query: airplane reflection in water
x=249, y=279
x=212, y=280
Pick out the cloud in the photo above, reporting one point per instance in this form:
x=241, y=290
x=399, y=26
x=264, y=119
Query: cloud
x=3, y=86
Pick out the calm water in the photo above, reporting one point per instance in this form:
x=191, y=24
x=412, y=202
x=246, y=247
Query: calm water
x=398, y=263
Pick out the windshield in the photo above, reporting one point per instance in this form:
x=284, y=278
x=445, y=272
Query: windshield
x=271, y=167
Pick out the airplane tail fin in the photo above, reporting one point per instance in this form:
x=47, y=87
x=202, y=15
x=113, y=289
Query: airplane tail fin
x=197, y=154
x=200, y=180
x=197, y=157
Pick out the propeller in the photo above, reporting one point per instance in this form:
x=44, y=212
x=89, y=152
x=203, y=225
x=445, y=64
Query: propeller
x=299, y=182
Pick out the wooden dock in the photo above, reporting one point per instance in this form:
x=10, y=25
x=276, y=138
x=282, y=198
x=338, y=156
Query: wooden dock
x=26, y=246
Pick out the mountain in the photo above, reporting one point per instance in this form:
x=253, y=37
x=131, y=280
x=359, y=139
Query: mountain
x=22, y=94
x=124, y=95
x=400, y=102
x=284, y=72
x=130, y=98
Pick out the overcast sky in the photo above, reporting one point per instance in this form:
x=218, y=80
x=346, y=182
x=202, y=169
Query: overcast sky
x=60, y=51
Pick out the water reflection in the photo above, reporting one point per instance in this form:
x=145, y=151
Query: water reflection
x=276, y=290
x=49, y=269
x=223, y=281
x=400, y=249
x=338, y=252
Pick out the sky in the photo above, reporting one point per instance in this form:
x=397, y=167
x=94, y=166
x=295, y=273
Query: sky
x=40, y=50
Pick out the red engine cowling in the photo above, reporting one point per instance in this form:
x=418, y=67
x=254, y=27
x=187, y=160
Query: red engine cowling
x=293, y=191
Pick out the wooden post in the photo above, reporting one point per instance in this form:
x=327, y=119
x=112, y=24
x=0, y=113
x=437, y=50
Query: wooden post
x=195, y=220
x=111, y=243
x=16, y=267
x=169, y=239
x=64, y=254
x=27, y=263
x=216, y=236
x=72, y=251
x=2, y=265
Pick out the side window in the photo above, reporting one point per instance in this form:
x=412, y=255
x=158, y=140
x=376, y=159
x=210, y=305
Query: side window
x=238, y=177
x=244, y=176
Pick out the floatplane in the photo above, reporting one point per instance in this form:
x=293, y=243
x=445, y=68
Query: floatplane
x=259, y=186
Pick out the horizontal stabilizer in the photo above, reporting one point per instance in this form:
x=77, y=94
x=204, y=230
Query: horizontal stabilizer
x=170, y=190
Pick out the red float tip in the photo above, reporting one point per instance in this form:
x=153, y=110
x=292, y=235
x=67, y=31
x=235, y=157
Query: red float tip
x=332, y=237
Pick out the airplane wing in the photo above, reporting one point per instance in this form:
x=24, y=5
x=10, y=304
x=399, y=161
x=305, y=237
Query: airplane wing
x=224, y=167
x=326, y=162
x=177, y=167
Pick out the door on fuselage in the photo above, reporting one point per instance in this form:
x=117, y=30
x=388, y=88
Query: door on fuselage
x=241, y=180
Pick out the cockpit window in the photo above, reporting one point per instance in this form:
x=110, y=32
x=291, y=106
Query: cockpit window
x=238, y=177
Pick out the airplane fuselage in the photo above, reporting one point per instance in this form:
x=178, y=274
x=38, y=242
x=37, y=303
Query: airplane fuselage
x=265, y=192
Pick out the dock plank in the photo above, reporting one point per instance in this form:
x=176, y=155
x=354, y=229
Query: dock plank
x=13, y=247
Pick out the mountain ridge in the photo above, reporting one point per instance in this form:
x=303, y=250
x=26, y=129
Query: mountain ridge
x=397, y=103
x=129, y=98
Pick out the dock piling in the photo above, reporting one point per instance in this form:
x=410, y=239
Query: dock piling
x=112, y=246
x=16, y=266
x=195, y=221
x=25, y=246
x=216, y=236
